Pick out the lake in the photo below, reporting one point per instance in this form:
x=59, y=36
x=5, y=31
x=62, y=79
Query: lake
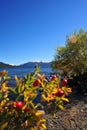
x=21, y=72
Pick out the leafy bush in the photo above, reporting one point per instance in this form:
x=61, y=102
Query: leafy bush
x=72, y=58
x=18, y=106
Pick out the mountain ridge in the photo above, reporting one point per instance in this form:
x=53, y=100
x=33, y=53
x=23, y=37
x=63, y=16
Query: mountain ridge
x=5, y=65
x=29, y=64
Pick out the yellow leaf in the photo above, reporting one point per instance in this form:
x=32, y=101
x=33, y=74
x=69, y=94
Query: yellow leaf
x=43, y=97
x=16, y=78
x=39, y=113
x=49, y=98
x=4, y=88
x=64, y=88
x=69, y=90
x=65, y=99
x=61, y=107
x=55, y=90
x=44, y=126
x=42, y=121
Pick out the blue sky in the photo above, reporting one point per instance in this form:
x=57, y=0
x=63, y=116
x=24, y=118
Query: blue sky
x=31, y=30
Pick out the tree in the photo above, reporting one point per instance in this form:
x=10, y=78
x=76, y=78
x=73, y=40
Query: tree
x=72, y=58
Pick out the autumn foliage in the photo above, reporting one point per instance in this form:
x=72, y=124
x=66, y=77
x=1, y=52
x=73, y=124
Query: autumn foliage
x=18, y=108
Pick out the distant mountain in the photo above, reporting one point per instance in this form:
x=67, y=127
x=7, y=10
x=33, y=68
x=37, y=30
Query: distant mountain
x=32, y=64
x=27, y=65
x=4, y=65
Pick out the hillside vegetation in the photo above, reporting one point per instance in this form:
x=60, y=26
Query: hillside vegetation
x=4, y=65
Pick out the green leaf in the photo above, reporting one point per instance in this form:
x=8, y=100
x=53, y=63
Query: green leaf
x=12, y=90
x=31, y=105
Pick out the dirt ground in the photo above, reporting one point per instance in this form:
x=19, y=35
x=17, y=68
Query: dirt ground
x=74, y=117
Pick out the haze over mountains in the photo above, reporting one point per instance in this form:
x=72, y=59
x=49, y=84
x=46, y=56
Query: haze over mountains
x=27, y=65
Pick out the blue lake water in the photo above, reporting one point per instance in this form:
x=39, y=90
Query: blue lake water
x=20, y=72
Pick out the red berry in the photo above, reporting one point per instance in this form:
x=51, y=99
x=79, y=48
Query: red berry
x=64, y=82
x=26, y=109
x=19, y=105
x=36, y=83
x=59, y=93
x=53, y=77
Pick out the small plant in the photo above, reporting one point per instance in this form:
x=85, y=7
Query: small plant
x=53, y=94
x=20, y=111
x=18, y=106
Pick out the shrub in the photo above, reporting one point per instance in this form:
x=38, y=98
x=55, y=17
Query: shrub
x=18, y=106
x=72, y=58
